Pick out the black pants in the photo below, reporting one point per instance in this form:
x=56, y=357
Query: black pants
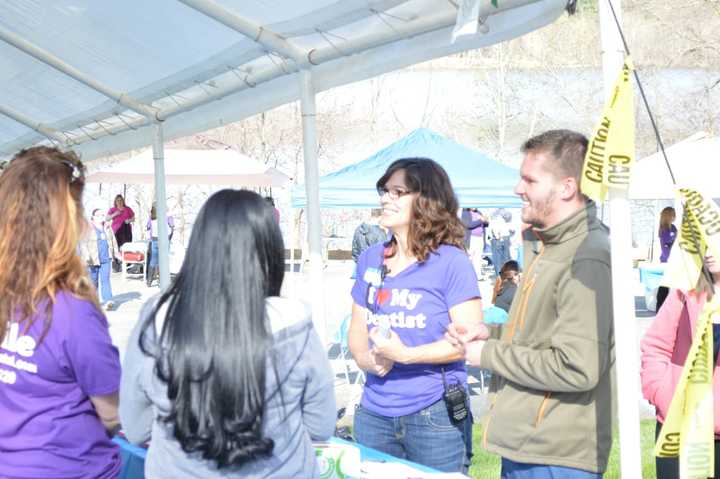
x=123, y=234
x=662, y=293
x=669, y=467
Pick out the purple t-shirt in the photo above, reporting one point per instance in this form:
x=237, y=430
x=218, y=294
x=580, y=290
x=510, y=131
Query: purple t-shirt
x=417, y=302
x=480, y=230
x=48, y=426
x=667, y=238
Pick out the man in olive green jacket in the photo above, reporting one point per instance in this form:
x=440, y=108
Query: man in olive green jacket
x=552, y=412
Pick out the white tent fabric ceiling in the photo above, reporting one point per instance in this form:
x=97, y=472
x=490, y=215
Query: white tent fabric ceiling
x=171, y=60
x=219, y=167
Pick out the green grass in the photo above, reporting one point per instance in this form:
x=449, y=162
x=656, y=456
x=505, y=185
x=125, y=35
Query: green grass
x=485, y=465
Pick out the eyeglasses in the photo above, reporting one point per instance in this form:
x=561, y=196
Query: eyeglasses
x=394, y=192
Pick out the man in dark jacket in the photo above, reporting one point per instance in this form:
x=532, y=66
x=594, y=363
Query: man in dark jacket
x=551, y=412
x=368, y=234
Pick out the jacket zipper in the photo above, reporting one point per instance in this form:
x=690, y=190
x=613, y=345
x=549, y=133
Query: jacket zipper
x=527, y=288
x=541, y=411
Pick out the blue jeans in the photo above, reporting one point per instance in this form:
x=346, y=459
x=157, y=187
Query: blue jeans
x=519, y=470
x=427, y=437
x=154, y=253
x=500, y=249
x=101, y=274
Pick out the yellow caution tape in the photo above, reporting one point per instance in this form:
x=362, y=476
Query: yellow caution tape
x=611, y=151
x=699, y=232
x=688, y=431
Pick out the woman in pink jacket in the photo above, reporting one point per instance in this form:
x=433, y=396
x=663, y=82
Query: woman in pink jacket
x=664, y=350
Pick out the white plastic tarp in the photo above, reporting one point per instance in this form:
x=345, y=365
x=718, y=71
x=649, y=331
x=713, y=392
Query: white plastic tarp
x=171, y=60
x=695, y=162
x=211, y=167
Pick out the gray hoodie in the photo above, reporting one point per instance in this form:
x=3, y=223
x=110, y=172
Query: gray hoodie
x=307, y=389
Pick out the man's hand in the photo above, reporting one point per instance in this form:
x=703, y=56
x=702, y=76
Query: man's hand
x=391, y=348
x=473, y=352
x=460, y=333
x=469, y=341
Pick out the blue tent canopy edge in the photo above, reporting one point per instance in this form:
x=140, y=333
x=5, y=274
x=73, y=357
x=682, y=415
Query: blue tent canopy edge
x=478, y=180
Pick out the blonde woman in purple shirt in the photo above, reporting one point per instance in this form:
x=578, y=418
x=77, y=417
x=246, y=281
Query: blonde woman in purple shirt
x=59, y=372
x=408, y=290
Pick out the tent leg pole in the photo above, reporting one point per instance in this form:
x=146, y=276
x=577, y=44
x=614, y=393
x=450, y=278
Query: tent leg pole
x=312, y=189
x=161, y=206
x=290, y=277
x=625, y=328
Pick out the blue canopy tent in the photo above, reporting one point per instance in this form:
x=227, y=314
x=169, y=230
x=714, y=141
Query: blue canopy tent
x=478, y=180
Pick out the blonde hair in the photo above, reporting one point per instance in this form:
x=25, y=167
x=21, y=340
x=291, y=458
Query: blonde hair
x=41, y=218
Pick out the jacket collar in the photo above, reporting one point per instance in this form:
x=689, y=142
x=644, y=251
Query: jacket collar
x=578, y=223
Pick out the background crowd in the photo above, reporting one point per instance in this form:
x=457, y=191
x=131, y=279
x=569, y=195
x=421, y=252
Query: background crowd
x=223, y=377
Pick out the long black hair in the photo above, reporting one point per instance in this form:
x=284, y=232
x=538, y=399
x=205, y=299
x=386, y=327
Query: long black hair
x=215, y=337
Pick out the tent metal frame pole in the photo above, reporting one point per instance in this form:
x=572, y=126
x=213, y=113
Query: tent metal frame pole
x=161, y=207
x=321, y=55
x=625, y=327
x=51, y=60
x=259, y=34
x=312, y=189
x=410, y=29
x=148, y=112
x=48, y=132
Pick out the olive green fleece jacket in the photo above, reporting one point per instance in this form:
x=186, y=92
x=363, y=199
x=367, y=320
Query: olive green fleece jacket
x=553, y=397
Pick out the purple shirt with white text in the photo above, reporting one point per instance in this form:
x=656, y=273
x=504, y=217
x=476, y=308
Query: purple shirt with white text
x=417, y=302
x=48, y=425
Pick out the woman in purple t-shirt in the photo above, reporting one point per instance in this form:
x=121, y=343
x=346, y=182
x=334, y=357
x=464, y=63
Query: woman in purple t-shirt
x=407, y=292
x=667, y=234
x=59, y=372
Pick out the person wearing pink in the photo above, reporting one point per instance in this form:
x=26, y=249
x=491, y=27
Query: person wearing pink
x=664, y=351
x=121, y=216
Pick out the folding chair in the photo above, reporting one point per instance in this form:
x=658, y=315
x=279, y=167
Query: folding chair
x=134, y=253
x=341, y=338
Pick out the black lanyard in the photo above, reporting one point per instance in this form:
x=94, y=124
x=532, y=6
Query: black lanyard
x=373, y=306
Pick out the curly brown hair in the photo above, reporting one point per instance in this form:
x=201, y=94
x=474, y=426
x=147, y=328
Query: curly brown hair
x=434, y=219
x=41, y=220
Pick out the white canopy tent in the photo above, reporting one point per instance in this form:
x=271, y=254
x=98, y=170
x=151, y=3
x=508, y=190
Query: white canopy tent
x=695, y=162
x=211, y=167
x=98, y=76
x=106, y=77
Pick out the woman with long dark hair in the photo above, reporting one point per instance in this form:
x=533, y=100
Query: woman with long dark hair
x=225, y=376
x=59, y=372
x=407, y=292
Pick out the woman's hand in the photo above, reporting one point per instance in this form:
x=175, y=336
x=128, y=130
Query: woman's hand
x=391, y=348
x=379, y=365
